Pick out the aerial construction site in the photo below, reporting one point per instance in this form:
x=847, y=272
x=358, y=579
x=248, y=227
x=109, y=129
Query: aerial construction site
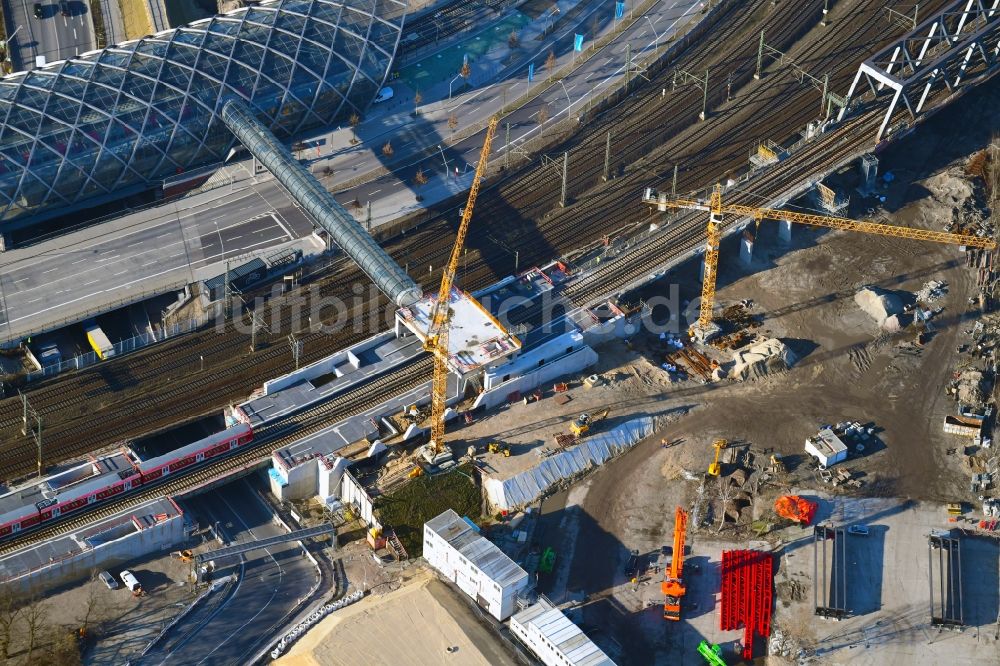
x=500, y=332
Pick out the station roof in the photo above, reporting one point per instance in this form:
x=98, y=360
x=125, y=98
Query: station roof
x=479, y=550
x=194, y=447
x=475, y=336
x=125, y=117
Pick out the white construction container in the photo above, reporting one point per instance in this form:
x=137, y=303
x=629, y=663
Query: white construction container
x=827, y=448
x=454, y=547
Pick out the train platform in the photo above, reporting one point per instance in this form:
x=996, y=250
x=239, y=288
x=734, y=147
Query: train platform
x=77, y=480
x=330, y=376
x=154, y=525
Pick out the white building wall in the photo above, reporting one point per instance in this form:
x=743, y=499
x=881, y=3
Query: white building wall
x=573, y=363
x=302, y=480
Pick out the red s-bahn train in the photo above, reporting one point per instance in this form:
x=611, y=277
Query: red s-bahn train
x=98, y=488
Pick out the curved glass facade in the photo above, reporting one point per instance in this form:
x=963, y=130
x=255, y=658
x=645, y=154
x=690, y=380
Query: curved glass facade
x=134, y=114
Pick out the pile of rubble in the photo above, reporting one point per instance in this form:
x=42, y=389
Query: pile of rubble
x=968, y=388
x=765, y=357
x=931, y=291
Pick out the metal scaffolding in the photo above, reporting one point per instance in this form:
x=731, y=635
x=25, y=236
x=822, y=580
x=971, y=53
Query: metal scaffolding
x=328, y=213
x=830, y=591
x=957, y=47
x=944, y=553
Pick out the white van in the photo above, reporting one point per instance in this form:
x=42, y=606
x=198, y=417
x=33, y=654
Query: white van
x=383, y=95
x=131, y=582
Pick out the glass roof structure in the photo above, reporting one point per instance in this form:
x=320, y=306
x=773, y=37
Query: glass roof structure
x=131, y=115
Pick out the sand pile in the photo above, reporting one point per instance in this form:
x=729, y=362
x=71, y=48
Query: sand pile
x=878, y=304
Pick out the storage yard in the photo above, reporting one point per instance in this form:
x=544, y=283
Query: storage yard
x=703, y=373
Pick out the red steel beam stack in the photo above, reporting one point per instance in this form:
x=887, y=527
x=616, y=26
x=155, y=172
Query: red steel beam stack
x=747, y=579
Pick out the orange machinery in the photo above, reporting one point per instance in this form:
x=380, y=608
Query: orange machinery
x=673, y=586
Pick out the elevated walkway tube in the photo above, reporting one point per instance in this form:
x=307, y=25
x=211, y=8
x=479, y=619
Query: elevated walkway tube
x=304, y=188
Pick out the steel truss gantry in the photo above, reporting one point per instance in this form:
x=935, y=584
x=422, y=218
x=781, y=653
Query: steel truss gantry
x=957, y=48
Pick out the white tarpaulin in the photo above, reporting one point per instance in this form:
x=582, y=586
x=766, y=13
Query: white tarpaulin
x=592, y=451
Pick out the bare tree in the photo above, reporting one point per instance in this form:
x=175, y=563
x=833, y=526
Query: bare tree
x=542, y=115
x=387, y=149
x=725, y=500
x=417, y=99
x=595, y=25
x=453, y=122
x=513, y=40
x=354, y=121
x=10, y=615
x=466, y=71
x=420, y=178
x=34, y=622
x=550, y=63
x=93, y=606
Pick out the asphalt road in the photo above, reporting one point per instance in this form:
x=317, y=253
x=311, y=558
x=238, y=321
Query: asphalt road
x=54, y=36
x=116, y=259
x=237, y=621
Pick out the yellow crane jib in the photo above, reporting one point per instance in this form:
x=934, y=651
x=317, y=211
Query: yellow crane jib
x=436, y=341
x=716, y=209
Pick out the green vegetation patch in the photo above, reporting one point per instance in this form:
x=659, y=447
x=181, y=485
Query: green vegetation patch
x=408, y=508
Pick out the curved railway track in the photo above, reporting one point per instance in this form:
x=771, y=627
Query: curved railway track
x=155, y=387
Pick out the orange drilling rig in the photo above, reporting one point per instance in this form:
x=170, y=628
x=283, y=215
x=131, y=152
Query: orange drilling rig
x=673, y=586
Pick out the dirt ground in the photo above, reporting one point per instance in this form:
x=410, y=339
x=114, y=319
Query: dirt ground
x=120, y=626
x=422, y=621
x=847, y=370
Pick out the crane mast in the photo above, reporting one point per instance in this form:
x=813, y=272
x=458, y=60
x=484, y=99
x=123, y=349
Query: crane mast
x=437, y=332
x=716, y=209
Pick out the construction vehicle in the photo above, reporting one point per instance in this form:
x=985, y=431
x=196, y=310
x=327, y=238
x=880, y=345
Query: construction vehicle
x=705, y=329
x=437, y=333
x=673, y=584
x=415, y=472
x=714, y=469
x=499, y=447
x=711, y=653
x=777, y=464
x=548, y=561
x=182, y=555
x=583, y=423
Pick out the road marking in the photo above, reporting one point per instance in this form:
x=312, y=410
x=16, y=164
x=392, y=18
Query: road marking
x=50, y=270
x=78, y=261
x=117, y=274
x=236, y=238
x=277, y=220
x=21, y=280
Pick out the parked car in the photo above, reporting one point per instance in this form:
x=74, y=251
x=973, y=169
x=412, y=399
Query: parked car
x=383, y=95
x=131, y=582
x=38, y=10
x=108, y=580
x=64, y=7
x=632, y=565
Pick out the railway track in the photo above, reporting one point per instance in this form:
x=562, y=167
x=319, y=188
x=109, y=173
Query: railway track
x=266, y=439
x=661, y=131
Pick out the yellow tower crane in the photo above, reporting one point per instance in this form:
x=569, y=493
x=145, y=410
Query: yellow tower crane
x=716, y=209
x=437, y=333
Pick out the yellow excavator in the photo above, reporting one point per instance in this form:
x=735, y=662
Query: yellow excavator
x=499, y=447
x=715, y=468
x=582, y=424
